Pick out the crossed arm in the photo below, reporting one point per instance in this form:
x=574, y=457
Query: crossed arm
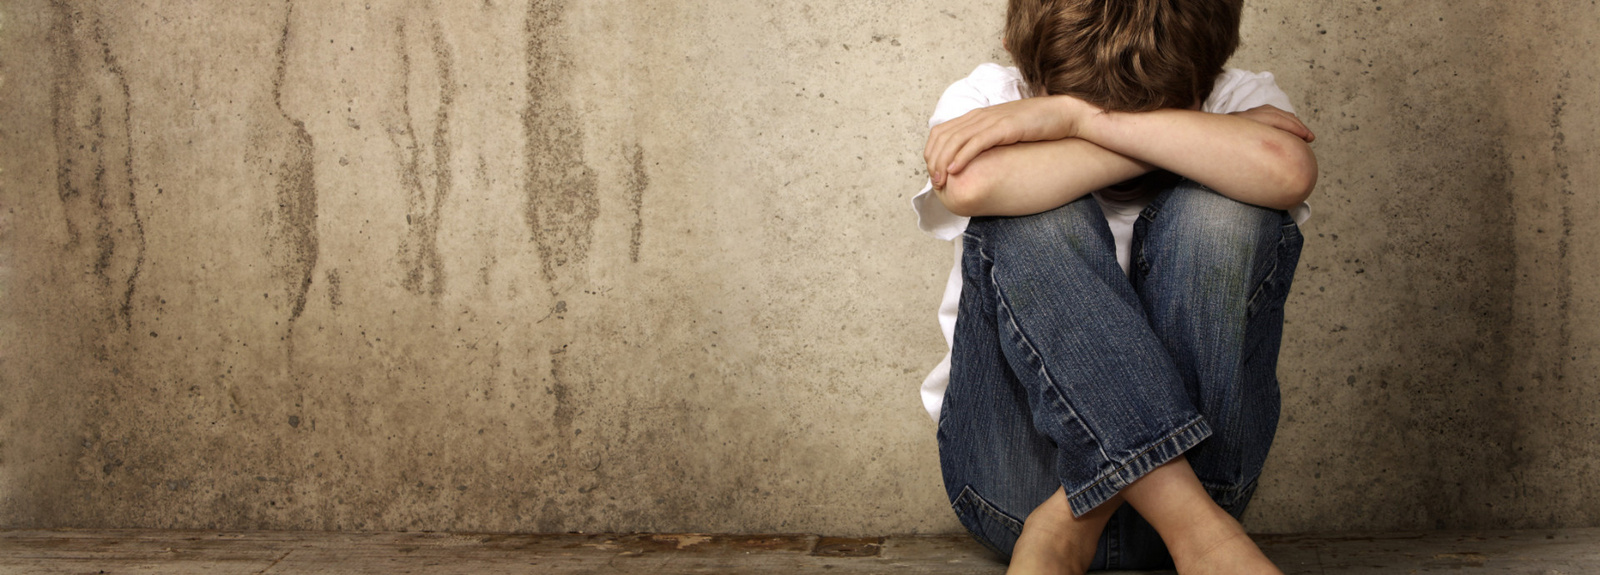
x=1035, y=154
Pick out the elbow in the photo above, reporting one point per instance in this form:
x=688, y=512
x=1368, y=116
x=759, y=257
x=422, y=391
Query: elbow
x=1302, y=179
x=965, y=194
x=1295, y=176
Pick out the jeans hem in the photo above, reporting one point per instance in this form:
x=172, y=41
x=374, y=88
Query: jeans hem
x=1157, y=454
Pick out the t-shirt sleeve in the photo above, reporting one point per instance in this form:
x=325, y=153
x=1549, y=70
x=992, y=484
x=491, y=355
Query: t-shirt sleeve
x=965, y=95
x=1239, y=90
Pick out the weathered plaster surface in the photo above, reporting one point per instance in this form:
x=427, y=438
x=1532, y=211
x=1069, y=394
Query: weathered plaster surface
x=605, y=265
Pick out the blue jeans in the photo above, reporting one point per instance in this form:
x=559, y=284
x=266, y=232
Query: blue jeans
x=1067, y=373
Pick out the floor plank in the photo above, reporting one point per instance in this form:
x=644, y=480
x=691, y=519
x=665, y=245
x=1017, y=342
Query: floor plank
x=51, y=552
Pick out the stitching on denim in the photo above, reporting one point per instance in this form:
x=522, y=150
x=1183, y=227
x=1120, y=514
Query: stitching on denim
x=1250, y=308
x=1034, y=353
x=977, y=502
x=1231, y=494
x=1153, y=446
x=989, y=509
x=1115, y=531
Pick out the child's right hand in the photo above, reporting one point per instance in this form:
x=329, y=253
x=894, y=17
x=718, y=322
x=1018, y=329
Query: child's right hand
x=953, y=144
x=1279, y=119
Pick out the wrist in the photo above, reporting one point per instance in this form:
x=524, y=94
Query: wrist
x=1088, y=122
x=1062, y=118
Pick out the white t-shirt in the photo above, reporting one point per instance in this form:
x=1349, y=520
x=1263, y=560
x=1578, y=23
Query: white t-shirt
x=990, y=84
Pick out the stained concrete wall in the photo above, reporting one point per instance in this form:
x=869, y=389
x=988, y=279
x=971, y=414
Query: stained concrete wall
x=611, y=265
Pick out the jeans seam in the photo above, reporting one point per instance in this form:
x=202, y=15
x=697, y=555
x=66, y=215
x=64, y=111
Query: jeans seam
x=1250, y=305
x=1226, y=494
x=983, y=506
x=987, y=508
x=1044, y=371
x=1114, y=531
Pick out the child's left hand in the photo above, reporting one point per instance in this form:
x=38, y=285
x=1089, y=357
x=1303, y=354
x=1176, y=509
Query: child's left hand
x=1272, y=116
x=953, y=144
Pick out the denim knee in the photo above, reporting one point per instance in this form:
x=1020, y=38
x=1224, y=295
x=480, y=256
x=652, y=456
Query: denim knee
x=1213, y=274
x=1073, y=227
x=1218, y=245
x=1192, y=222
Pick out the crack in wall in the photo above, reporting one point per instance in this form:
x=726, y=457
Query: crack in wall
x=419, y=251
x=561, y=190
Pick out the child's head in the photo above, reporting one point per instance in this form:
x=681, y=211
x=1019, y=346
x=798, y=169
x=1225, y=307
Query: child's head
x=1124, y=55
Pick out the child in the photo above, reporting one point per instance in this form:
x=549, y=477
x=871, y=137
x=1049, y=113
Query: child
x=1114, y=327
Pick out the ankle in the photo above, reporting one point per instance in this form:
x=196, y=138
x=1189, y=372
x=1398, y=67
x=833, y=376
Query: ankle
x=1056, y=542
x=1209, y=548
x=1204, y=534
x=1053, y=511
x=1234, y=554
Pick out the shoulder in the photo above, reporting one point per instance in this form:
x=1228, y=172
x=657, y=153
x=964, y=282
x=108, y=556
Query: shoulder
x=996, y=80
x=1239, y=90
x=987, y=85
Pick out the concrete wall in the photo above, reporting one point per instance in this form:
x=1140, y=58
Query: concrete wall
x=649, y=265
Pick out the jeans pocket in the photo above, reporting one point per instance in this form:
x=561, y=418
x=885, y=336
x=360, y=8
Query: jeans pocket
x=992, y=527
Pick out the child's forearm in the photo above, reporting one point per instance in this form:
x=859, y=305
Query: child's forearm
x=1033, y=177
x=1240, y=158
x=1257, y=156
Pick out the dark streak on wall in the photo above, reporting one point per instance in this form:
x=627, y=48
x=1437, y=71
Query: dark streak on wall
x=1563, y=267
x=560, y=392
x=638, y=182
x=92, y=111
x=419, y=251
x=295, y=233
x=125, y=311
x=561, y=189
x=335, y=299
x=63, y=94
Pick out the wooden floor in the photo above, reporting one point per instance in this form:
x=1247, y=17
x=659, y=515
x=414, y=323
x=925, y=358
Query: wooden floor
x=1555, y=552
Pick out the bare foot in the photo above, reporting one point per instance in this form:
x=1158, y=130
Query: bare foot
x=1235, y=553
x=1203, y=539
x=1056, y=543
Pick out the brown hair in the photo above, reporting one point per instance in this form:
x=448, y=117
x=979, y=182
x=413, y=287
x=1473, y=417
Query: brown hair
x=1123, y=55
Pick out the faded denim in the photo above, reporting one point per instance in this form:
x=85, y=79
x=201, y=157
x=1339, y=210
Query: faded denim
x=1068, y=373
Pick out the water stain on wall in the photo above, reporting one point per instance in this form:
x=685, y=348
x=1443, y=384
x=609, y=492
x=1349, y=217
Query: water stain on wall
x=335, y=285
x=1563, y=269
x=294, y=232
x=425, y=196
x=92, y=111
x=638, y=182
x=561, y=190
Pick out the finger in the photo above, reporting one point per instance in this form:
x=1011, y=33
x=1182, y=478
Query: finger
x=1291, y=124
x=947, y=144
x=938, y=138
x=951, y=154
x=930, y=154
x=971, y=149
x=1300, y=128
x=1305, y=132
x=932, y=145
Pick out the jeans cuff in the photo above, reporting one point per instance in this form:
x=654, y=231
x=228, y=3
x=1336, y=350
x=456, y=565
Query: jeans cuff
x=1158, y=453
